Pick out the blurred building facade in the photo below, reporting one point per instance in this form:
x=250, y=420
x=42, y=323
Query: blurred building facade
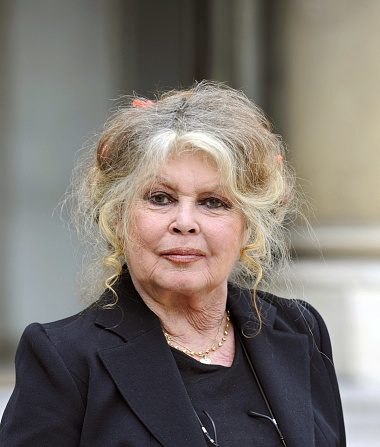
x=312, y=65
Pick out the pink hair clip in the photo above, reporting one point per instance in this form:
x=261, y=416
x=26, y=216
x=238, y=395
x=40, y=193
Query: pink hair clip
x=141, y=102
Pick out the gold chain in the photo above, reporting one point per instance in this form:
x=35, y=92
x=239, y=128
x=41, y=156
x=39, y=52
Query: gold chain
x=201, y=354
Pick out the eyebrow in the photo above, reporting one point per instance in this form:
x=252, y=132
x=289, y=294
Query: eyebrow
x=164, y=181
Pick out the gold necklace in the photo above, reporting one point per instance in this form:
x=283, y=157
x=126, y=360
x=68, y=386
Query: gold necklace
x=203, y=355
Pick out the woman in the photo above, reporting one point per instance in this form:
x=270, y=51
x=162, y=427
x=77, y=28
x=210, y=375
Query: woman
x=186, y=198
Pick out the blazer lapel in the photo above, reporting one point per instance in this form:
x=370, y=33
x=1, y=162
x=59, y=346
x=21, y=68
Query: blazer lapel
x=144, y=370
x=282, y=363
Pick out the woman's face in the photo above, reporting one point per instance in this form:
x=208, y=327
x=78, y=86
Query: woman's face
x=186, y=234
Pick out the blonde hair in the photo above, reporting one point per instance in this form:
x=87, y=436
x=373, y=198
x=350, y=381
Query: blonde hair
x=137, y=139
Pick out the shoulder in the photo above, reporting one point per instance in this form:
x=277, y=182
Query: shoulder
x=72, y=330
x=299, y=316
x=296, y=313
x=280, y=316
x=73, y=341
x=289, y=314
x=72, y=325
x=51, y=377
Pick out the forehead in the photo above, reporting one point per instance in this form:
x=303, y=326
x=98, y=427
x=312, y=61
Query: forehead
x=189, y=169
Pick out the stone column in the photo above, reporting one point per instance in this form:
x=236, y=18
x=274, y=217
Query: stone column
x=330, y=111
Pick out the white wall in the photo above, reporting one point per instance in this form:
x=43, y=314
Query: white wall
x=347, y=294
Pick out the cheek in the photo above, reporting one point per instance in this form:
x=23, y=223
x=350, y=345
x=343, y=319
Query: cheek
x=227, y=238
x=139, y=252
x=146, y=229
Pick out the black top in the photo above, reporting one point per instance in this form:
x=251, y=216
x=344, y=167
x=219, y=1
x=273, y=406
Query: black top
x=227, y=394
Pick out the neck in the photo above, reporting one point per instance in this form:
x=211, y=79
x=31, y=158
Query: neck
x=194, y=321
x=191, y=317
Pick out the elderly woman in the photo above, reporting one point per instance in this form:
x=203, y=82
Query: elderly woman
x=186, y=197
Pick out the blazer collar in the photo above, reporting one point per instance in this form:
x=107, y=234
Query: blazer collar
x=144, y=370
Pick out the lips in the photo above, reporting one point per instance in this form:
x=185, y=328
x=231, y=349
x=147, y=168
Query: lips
x=182, y=255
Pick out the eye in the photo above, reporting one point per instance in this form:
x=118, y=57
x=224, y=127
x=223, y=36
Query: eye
x=158, y=198
x=215, y=203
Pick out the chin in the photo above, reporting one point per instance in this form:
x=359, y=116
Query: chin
x=184, y=282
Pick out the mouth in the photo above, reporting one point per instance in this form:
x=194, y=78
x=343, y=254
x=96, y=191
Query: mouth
x=183, y=255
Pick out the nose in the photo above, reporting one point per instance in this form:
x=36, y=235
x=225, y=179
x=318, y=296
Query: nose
x=184, y=220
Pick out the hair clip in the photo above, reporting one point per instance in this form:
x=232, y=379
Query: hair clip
x=141, y=102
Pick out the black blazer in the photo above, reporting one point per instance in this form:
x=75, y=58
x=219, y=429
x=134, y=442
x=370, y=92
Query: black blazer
x=107, y=378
